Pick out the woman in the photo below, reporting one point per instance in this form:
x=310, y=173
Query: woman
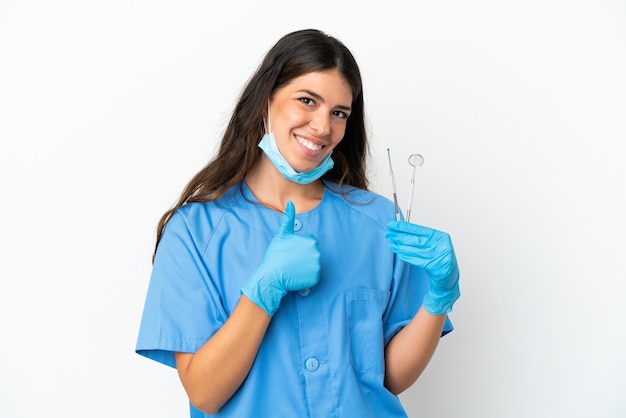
x=274, y=291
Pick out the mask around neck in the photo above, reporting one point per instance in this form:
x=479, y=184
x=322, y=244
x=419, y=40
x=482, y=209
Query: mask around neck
x=269, y=147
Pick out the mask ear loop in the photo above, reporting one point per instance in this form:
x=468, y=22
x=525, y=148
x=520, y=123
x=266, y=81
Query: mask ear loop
x=267, y=124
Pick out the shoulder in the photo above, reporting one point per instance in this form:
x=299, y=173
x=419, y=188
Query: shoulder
x=202, y=218
x=362, y=202
x=194, y=226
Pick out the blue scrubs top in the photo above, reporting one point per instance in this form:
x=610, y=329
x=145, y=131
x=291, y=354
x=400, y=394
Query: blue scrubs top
x=323, y=353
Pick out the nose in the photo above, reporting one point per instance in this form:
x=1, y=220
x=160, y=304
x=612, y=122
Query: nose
x=320, y=123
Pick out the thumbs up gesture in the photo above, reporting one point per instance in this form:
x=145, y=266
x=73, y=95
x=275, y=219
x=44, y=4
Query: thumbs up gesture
x=291, y=262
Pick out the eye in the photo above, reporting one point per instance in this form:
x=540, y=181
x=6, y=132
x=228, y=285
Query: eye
x=307, y=101
x=340, y=114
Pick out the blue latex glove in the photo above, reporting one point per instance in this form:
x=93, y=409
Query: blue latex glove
x=431, y=250
x=291, y=262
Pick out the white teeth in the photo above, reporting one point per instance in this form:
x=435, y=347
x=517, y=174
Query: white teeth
x=309, y=144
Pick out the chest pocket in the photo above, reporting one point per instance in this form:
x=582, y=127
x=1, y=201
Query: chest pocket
x=364, y=314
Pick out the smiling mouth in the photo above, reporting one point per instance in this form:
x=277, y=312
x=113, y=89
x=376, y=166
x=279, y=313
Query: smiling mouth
x=309, y=145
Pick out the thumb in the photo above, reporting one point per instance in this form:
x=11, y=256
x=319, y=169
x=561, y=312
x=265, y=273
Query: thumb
x=286, y=224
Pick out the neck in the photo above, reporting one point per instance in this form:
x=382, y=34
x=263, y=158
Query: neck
x=273, y=190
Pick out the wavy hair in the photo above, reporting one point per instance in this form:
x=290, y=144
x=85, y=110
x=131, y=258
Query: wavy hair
x=294, y=55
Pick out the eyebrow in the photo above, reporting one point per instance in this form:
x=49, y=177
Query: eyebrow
x=321, y=99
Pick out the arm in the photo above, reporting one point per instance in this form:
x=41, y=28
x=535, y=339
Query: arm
x=219, y=367
x=215, y=372
x=410, y=351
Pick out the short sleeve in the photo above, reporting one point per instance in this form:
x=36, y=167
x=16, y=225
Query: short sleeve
x=182, y=308
x=410, y=285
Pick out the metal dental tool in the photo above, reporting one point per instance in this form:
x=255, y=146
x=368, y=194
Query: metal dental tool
x=415, y=160
x=393, y=183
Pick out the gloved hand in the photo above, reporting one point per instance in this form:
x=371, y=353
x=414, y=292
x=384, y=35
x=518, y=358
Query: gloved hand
x=431, y=250
x=291, y=262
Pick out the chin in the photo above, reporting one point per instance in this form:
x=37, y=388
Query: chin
x=303, y=168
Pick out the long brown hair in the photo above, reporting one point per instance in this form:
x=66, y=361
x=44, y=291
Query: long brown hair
x=295, y=54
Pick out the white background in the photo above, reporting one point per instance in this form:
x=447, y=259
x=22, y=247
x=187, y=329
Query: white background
x=107, y=108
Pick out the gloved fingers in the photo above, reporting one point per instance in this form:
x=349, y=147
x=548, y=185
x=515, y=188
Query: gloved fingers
x=304, y=243
x=286, y=224
x=443, y=265
x=412, y=233
x=297, y=261
x=415, y=261
x=409, y=228
x=426, y=253
x=416, y=235
x=445, y=252
x=438, y=261
x=408, y=239
x=286, y=248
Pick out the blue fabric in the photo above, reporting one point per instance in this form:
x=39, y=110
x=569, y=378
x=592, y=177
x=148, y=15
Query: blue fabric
x=322, y=355
x=270, y=148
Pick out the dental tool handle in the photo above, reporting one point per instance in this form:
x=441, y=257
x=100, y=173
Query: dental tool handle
x=393, y=183
x=410, y=205
x=395, y=202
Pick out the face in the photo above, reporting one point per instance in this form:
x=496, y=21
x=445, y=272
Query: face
x=308, y=117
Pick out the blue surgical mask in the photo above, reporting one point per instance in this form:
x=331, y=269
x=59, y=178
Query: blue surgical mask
x=269, y=147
